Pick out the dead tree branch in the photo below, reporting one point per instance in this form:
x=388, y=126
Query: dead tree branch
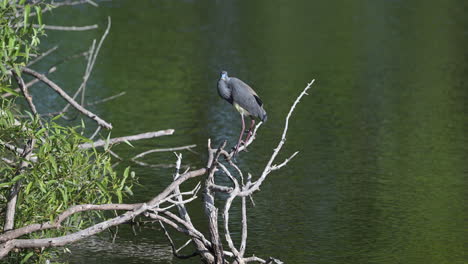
x=112, y=141
x=65, y=96
x=133, y=211
x=67, y=28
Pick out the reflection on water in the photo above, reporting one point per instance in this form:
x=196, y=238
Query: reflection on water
x=102, y=250
x=381, y=176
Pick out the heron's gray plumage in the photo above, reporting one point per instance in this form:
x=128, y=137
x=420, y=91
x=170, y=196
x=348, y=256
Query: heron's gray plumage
x=240, y=94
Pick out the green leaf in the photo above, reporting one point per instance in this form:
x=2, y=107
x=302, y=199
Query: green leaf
x=27, y=11
x=128, y=143
x=39, y=14
x=119, y=195
x=14, y=180
x=64, y=195
x=41, y=186
x=106, y=146
x=125, y=176
x=54, y=163
x=28, y=188
x=6, y=89
x=128, y=190
x=57, y=116
x=11, y=45
x=26, y=258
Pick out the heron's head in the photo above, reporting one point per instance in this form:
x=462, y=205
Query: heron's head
x=224, y=76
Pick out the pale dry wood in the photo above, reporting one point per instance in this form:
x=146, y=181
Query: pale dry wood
x=211, y=251
x=162, y=150
x=90, y=65
x=97, y=228
x=66, y=28
x=112, y=141
x=43, y=55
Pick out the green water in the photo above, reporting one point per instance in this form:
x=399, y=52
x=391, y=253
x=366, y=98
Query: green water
x=382, y=174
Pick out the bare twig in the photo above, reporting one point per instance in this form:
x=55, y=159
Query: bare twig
x=43, y=55
x=174, y=250
x=91, y=62
x=26, y=93
x=95, y=133
x=105, y=99
x=162, y=150
x=256, y=185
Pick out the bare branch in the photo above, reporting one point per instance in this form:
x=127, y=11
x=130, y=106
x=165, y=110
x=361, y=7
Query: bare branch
x=106, y=99
x=113, y=141
x=97, y=228
x=26, y=95
x=256, y=185
x=67, y=28
x=95, y=133
x=174, y=250
x=209, y=204
x=43, y=55
x=162, y=150
x=244, y=228
x=91, y=62
x=64, y=215
x=277, y=167
x=64, y=95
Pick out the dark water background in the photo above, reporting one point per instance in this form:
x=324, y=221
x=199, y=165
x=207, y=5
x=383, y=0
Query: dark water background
x=382, y=174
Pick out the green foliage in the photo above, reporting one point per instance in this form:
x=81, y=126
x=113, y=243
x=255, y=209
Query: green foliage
x=18, y=37
x=61, y=176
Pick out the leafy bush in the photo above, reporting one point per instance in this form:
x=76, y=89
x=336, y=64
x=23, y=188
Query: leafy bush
x=61, y=174
x=19, y=37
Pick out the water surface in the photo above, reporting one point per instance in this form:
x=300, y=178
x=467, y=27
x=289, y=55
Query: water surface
x=382, y=173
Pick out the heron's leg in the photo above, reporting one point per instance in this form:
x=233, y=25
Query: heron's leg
x=252, y=124
x=241, y=134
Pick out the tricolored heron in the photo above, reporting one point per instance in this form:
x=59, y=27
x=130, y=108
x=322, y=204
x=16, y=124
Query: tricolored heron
x=244, y=99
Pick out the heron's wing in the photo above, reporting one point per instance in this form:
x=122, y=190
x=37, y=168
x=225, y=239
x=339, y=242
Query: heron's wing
x=259, y=101
x=246, y=97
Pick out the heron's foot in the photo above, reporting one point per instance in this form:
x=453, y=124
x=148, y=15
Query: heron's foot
x=237, y=147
